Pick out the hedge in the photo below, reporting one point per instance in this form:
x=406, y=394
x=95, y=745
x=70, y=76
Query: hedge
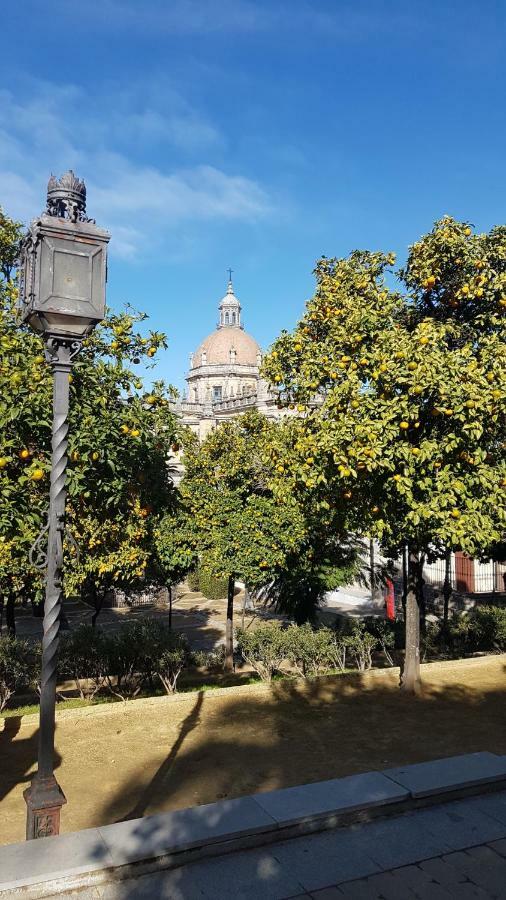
x=213, y=588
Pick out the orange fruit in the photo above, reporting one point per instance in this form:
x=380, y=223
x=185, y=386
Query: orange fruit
x=37, y=474
x=3, y=462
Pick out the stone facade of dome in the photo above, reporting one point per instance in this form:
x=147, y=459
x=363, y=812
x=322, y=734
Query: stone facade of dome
x=224, y=376
x=226, y=345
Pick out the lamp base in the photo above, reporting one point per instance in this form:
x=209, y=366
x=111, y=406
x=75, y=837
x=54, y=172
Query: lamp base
x=44, y=800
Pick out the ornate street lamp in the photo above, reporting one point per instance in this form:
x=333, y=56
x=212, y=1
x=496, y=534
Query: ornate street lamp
x=62, y=297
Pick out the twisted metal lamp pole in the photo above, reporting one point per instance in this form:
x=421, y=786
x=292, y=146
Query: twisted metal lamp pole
x=62, y=297
x=44, y=797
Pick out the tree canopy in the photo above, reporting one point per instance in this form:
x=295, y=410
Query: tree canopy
x=401, y=393
x=119, y=482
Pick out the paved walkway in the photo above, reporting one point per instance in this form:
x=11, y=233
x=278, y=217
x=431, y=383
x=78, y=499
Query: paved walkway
x=202, y=621
x=455, y=850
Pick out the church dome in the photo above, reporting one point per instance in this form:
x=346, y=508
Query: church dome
x=227, y=344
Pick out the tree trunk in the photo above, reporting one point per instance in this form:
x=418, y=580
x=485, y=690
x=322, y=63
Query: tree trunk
x=447, y=588
x=410, y=676
x=229, y=633
x=372, y=578
x=98, y=600
x=421, y=594
x=10, y=614
x=170, y=606
x=404, y=580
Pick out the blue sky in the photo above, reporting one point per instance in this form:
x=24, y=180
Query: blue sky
x=257, y=134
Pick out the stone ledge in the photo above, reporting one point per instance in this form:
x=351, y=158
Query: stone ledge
x=442, y=776
x=337, y=797
x=49, y=866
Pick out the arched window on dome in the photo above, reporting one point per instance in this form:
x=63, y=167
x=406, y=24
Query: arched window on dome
x=233, y=318
x=226, y=318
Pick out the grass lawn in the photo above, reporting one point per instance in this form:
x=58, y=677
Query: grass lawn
x=123, y=760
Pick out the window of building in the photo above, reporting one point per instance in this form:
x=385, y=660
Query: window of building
x=217, y=392
x=226, y=318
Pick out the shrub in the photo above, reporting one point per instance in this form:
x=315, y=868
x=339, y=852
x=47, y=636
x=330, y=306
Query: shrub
x=383, y=631
x=19, y=667
x=264, y=648
x=193, y=579
x=142, y=651
x=213, y=588
x=123, y=655
x=458, y=634
x=313, y=652
x=213, y=661
x=360, y=644
x=486, y=627
x=432, y=641
x=83, y=657
x=173, y=658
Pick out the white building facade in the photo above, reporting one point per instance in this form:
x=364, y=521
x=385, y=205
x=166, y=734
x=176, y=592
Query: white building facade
x=224, y=376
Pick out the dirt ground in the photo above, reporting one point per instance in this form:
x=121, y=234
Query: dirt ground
x=128, y=760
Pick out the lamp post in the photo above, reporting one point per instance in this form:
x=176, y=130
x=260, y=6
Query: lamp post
x=62, y=297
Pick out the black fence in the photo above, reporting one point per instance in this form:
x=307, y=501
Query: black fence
x=467, y=575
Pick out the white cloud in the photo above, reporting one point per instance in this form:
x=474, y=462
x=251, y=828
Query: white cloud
x=141, y=203
x=173, y=17
x=348, y=20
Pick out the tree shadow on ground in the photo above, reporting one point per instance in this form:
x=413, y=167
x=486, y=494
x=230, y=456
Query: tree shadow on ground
x=162, y=776
x=297, y=732
x=18, y=755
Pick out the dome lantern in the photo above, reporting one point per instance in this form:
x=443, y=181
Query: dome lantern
x=230, y=308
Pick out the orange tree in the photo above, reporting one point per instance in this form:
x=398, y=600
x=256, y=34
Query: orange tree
x=401, y=398
x=233, y=526
x=118, y=482
x=242, y=523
